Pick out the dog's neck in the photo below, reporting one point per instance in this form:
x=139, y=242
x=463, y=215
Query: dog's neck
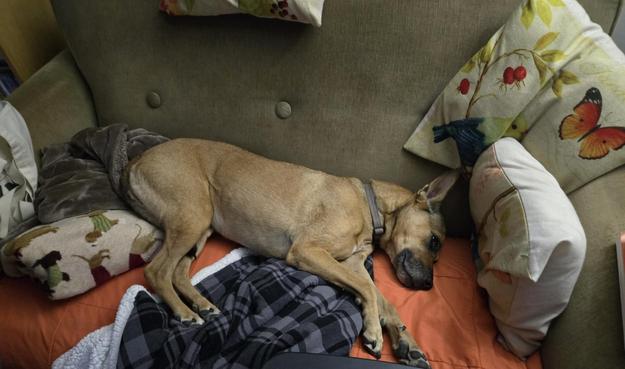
x=390, y=198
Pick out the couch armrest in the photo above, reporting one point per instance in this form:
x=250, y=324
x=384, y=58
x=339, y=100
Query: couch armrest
x=55, y=102
x=589, y=333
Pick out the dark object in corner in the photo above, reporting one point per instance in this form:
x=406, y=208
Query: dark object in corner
x=303, y=360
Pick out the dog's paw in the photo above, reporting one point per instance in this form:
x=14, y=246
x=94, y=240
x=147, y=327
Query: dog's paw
x=189, y=319
x=411, y=356
x=372, y=339
x=209, y=313
x=374, y=347
x=205, y=307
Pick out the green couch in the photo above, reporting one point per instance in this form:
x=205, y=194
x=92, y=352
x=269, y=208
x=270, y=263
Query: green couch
x=357, y=87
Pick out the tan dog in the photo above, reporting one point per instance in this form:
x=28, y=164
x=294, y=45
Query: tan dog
x=317, y=222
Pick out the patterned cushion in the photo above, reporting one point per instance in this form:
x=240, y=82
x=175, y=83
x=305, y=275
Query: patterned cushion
x=549, y=77
x=305, y=11
x=76, y=254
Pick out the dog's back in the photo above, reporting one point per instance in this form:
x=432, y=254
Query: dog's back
x=258, y=202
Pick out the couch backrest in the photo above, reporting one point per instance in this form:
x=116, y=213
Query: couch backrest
x=357, y=86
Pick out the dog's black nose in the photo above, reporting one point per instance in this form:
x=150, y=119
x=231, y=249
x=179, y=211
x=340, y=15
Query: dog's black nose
x=415, y=275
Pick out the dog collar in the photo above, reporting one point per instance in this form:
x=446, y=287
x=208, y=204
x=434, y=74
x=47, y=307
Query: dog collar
x=378, y=224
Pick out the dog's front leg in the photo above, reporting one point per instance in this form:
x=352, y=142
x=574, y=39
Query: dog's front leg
x=314, y=258
x=404, y=346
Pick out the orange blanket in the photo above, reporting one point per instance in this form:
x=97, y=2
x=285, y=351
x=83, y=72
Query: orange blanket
x=451, y=322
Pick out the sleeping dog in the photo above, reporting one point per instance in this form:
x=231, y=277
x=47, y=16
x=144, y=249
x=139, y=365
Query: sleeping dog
x=319, y=223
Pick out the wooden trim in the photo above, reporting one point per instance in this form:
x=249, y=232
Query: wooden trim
x=29, y=35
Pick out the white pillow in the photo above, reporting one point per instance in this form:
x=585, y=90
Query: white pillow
x=530, y=241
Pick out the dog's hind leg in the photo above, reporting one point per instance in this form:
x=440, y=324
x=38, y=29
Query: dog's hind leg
x=181, y=235
x=404, y=346
x=181, y=205
x=199, y=303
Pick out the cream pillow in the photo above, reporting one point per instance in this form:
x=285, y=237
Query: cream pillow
x=531, y=243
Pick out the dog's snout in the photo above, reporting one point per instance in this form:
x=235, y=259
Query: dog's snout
x=412, y=272
x=403, y=255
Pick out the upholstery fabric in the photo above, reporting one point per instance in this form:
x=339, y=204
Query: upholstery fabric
x=55, y=103
x=589, y=334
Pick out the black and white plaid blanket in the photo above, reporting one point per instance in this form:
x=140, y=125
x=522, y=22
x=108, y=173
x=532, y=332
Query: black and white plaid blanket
x=267, y=307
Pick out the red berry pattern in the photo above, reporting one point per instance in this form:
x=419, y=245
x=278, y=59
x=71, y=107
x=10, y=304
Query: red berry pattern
x=520, y=73
x=508, y=76
x=513, y=76
x=464, y=86
x=280, y=8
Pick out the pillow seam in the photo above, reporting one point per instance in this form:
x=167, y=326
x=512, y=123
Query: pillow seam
x=527, y=231
x=515, y=279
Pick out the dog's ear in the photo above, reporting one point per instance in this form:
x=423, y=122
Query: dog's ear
x=432, y=194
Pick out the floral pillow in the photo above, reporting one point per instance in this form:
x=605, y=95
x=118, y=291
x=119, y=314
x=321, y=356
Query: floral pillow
x=76, y=254
x=304, y=11
x=530, y=243
x=550, y=78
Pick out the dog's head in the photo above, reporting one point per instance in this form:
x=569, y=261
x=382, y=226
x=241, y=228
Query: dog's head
x=415, y=232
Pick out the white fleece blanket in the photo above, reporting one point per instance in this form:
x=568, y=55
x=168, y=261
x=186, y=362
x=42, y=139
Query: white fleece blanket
x=100, y=348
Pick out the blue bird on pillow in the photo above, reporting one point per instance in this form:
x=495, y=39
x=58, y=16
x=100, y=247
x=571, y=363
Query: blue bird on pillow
x=472, y=135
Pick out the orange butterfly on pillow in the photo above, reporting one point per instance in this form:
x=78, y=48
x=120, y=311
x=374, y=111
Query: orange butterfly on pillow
x=595, y=141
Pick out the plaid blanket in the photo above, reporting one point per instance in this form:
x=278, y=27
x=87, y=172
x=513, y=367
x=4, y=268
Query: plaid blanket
x=267, y=307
